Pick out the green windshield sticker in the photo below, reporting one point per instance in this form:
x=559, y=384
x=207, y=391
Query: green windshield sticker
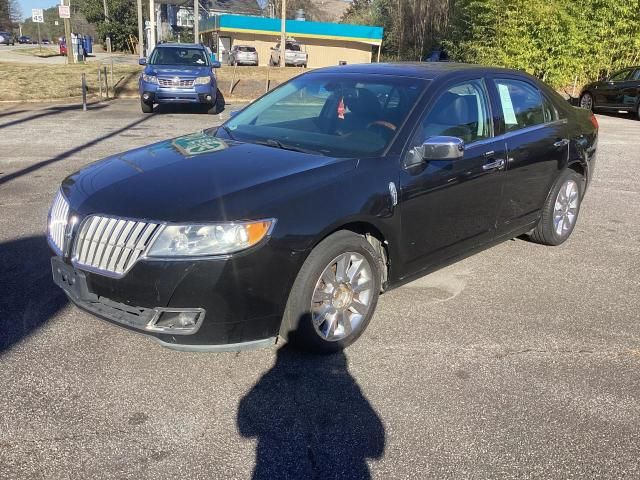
x=197, y=144
x=507, y=105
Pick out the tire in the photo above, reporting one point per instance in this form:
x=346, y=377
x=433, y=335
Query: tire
x=587, y=101
x=146, y=107
x=348, y=310
x=218, y=106
x=548, y=232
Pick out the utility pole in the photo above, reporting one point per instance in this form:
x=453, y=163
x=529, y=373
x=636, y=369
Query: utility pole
x=283, y=33
x=67, y=35
x=196, y=21
x=140, y=31
x=152, y=25
x=106, y=19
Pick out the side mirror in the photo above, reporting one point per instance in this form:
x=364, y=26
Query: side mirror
x=215, y=64
x=142, y=61
x=435, y=148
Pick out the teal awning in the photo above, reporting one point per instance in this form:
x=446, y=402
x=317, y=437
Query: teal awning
x=271, y=26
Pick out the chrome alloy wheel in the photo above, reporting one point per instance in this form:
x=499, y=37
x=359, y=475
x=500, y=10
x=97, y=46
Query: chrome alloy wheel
x=587, y=101
x=565, y=210
x=342, y=296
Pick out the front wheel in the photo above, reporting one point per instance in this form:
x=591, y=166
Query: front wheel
x=219, y=104
x=335, y=294
x=560, y=211
x=146, y=107
x=586, y=101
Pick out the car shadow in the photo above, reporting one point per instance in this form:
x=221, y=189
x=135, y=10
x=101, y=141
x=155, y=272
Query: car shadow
x=310, y=419
x=29, y=296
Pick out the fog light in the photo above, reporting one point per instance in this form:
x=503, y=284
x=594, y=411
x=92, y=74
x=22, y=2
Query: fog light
x=145, y=96
x=208, y=98
x=176, y=321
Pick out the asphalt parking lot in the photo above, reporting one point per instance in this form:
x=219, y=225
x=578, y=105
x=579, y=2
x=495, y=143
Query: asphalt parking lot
x=520, y=362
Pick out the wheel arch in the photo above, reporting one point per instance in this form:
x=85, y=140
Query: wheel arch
x=374, y=235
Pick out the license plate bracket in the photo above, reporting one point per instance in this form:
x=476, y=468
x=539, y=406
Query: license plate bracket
x=72, y=281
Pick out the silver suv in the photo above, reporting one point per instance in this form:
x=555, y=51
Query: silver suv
x=243, y=55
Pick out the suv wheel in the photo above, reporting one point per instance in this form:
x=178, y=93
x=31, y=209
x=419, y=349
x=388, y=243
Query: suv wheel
x=218, y=106
x=334, y=295
x=146, y=107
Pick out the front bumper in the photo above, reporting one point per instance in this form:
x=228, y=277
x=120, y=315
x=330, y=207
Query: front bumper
x=241, y=298
x=204, y=94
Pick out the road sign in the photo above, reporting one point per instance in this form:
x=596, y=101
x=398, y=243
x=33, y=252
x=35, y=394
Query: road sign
x=64, y=11
x=37, y=16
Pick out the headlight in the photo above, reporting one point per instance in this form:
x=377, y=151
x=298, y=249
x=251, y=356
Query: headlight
x=202, y=81
x=208, y=239
x=149, y=78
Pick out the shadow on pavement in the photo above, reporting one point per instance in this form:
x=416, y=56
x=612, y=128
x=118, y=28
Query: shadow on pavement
x=11, y=112
x=36, y=166
x=29, y=296
x=47, y=112
x=311, y=420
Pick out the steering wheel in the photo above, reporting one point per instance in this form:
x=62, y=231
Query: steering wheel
x=384, y=124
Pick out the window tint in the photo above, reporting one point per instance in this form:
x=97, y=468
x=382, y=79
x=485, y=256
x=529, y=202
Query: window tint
x=618, y=77
x=462, y=111
x=522, y=105
x=337, y=115
x=178, y=56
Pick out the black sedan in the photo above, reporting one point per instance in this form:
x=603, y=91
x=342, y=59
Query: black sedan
x=288, y=221
x=619, y=92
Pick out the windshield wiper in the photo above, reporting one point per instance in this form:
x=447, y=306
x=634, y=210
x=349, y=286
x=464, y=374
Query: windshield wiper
x=227, y=130
x=284, y=146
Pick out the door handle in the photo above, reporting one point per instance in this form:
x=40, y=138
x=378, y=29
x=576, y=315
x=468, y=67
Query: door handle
x=496, y=164
x=561, y=143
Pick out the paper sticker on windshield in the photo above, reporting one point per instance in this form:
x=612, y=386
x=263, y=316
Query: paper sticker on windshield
x=341, y=109
x=200, y=61
x=507, y=105
x=197, y=144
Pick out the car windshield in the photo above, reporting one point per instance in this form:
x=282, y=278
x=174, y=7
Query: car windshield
x=346, y=115
x=294, y=47
x=246, y=49
x=178, y=56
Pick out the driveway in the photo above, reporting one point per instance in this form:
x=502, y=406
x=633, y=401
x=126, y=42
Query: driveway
x=519, y=362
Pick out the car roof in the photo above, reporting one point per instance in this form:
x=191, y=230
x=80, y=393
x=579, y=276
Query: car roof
x=180, y=45
x=424, y=70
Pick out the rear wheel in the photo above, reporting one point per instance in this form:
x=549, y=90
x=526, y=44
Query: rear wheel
x=146, y=107
x=586, y=101
x=560, y=211
x=335, y=294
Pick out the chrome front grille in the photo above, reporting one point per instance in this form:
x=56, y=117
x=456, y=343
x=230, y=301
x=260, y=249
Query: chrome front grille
x=111, y=245
x=58, y=219
x=175, y=83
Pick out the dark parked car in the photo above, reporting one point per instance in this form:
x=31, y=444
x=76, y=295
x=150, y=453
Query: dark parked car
x=621, y=91
x=180, y=73
x=7, y=38
x=24, y=39
x=295, y=214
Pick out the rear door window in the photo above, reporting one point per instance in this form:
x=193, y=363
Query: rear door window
x=522, y=104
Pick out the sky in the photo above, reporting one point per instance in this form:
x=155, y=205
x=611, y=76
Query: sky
x=27, y=5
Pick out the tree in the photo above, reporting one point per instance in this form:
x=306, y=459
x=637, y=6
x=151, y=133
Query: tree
x=122, y=21
x=10, y=14
x=411, y=27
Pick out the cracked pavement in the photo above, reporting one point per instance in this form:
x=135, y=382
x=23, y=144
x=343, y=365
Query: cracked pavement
x=519, y=362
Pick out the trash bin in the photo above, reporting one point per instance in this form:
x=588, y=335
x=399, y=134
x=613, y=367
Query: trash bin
x=87, y=43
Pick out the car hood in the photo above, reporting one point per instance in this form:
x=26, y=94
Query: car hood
x=178, y=70
x=198, y=177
